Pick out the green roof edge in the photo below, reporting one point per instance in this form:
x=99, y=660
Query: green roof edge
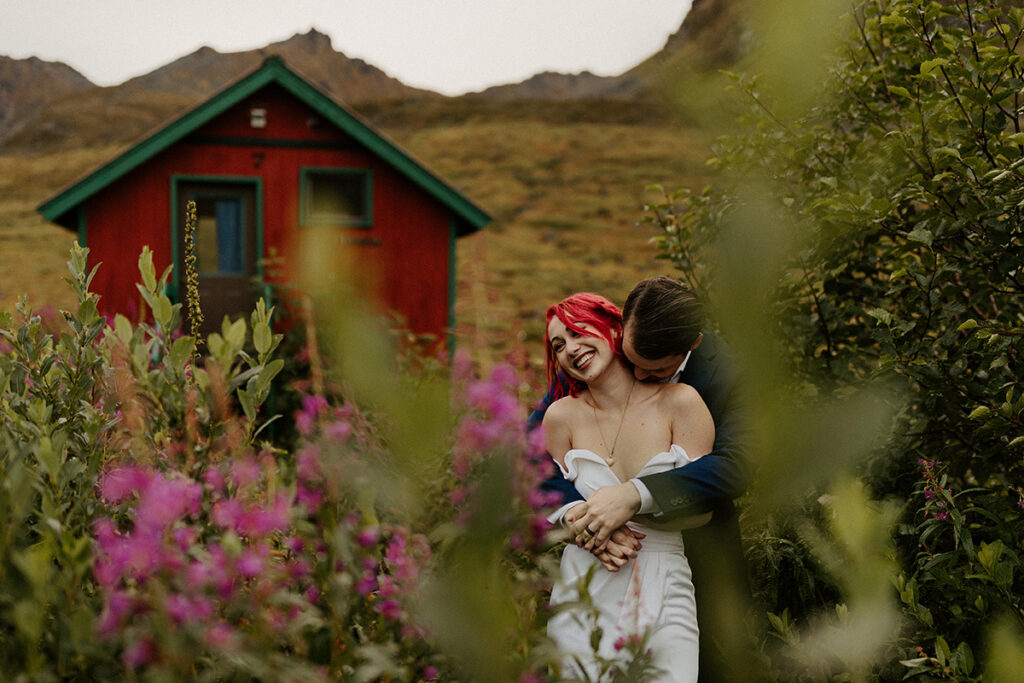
x=273, y=70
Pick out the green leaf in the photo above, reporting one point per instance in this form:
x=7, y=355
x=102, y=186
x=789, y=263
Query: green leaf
x=262, y=338
x=901, y=91
x=881, y=315
x=968, y=324
x=248, y=405
x=932, y=64
x=28, y=618
x=181, y=351
x=162, y=311
x=234, y=334
x=979, y=412
x=123, y=328
x=989, y=554
x=146, y=269
x=49, y=457
x=922, y=235
x=148, y=296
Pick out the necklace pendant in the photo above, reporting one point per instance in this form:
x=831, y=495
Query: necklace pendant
x=610, y=461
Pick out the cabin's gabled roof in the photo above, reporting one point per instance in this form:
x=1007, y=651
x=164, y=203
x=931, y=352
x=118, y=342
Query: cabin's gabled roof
x=59, y=208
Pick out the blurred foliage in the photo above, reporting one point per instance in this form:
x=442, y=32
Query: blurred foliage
x=872, y=226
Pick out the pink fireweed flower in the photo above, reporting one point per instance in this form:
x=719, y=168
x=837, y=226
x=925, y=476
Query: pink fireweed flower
x=184, y=609
x=368, y=537
x=250, y=563
x=312, y=408
x=222, y=637
x=166, y=501
x=536, y=446
x=308, y=498
x=118, y=604
x=390, y=609
x=338, y=430
x=255, y=520
x=138, y=653
x=185, y=537
x=198, y=575
x=307, y=464
x=245, y=472
x=504, y=376
x=227, y=513
x=299, y=568
x=366, y=584
x=214, y=478
x=105, y=532
x=118, y=484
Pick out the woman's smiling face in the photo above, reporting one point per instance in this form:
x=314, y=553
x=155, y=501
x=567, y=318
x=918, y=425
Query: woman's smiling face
x=581, y=356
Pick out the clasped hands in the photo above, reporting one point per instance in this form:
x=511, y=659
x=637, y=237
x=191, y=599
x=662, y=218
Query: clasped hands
x=598, y=525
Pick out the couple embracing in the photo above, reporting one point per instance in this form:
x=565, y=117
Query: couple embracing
x=646, y=424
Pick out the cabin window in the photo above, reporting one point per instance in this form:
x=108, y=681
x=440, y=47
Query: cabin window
x=335, y=196
x=219, y=237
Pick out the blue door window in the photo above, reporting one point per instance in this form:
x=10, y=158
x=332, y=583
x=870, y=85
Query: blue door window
x=220, y=238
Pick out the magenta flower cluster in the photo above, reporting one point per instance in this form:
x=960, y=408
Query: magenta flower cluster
x=210, y=559
x=936, y=494
x=492, y=424
x=252, y=552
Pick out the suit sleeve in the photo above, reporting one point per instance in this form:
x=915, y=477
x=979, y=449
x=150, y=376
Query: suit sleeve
x=713, y=481
x=556, y=482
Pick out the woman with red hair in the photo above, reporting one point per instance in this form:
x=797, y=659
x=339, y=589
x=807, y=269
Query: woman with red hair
x=606, y=429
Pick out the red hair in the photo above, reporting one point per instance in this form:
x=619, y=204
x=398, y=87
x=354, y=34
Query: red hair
x=601, y=315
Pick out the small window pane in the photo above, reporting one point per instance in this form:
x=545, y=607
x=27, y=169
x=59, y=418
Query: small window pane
x=336, y=197
x=219, y=236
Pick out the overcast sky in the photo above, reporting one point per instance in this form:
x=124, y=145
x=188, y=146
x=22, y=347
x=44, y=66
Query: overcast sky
x=450, y=46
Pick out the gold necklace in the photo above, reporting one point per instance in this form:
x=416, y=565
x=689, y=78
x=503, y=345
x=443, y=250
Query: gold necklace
x=593, y=406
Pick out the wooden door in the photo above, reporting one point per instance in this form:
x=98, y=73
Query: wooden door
x=227, y=249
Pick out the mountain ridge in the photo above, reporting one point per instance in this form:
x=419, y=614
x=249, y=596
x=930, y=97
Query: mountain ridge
x=63, y=109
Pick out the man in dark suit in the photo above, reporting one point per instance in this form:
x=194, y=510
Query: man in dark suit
x=662, y=337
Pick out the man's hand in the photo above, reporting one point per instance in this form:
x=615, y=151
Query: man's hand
x=620, y=549
x=606, y=510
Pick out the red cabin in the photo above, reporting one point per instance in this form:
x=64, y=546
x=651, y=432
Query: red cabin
x=268, y=160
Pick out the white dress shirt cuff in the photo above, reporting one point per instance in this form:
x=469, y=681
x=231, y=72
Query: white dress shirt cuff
x=647, y=504
x=557, y=517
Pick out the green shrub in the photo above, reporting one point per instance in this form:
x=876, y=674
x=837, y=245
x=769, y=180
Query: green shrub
x=152, y=530
x=903, y=185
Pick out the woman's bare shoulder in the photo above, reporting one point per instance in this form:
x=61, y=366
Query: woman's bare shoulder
x=563, y=409
x=681, y=395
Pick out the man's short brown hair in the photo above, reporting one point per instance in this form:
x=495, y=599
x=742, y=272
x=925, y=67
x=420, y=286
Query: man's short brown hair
x=663, y=316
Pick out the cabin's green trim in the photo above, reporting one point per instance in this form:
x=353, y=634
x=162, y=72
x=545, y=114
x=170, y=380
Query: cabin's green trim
x=178, y=222
x=305, y=220
x=273, y=70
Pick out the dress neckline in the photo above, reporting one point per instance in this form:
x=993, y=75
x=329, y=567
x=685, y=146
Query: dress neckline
x=587, y=454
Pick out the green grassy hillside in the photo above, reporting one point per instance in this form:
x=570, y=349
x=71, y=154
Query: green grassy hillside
x=564, y=183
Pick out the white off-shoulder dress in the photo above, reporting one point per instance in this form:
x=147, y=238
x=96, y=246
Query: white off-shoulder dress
x=653, y=593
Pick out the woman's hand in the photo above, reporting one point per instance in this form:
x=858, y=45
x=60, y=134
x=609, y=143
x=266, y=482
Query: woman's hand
x=606, y=510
